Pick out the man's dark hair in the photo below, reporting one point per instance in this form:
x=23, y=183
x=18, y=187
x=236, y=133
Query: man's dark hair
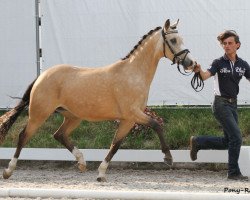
x=228, y=33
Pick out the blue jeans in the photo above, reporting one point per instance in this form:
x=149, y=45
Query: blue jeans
x=226, y=113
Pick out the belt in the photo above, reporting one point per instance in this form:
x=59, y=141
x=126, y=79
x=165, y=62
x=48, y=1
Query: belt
x=230, y=100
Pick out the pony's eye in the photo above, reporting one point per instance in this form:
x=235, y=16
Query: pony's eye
x=173, y=40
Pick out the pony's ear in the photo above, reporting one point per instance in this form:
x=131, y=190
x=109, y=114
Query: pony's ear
x=173, y=26
x=167, y=25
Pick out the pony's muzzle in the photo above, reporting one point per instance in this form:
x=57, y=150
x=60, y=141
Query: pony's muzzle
x=188, y=64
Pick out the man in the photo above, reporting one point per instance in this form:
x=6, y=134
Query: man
x=227, y=71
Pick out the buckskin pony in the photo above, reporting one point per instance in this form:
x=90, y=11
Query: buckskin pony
x=118, y=91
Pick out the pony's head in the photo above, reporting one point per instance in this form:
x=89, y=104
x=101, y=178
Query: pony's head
x=173, y=47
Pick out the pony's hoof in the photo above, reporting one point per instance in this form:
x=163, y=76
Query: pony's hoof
x=6, y=174
x=101, y=179
x=168, y=161
x=82, y=167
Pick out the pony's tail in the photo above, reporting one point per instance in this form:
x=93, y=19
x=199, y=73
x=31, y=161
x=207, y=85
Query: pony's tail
x=7, y=120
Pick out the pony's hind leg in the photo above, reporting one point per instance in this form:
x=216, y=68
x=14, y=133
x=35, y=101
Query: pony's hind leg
x=24, y=137
x=62, y=135
x=121, y=133
x=12, y=164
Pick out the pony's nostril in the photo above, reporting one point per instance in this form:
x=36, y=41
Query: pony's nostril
x=191, y=63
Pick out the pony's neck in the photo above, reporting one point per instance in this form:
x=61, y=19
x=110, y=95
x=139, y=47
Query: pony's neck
x=147, y=55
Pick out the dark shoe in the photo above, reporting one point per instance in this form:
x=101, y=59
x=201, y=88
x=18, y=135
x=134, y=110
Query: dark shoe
x=193, y=148
x=239, y=177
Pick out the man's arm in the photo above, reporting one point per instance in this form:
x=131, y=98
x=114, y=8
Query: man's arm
x=247, y=73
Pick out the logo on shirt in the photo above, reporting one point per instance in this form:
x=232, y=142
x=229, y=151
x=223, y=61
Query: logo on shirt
x=240, y=71
x=225, y=70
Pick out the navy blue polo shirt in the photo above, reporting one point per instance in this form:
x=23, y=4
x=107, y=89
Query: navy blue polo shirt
x=227, y=75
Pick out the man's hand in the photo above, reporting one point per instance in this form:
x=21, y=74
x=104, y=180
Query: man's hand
x=197, y=68
x=203, y=74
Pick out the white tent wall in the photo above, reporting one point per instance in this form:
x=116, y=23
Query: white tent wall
x=17, y=49
x=99, y=32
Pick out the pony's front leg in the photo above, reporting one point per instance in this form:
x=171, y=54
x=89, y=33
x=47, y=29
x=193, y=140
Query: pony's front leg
x=146, y=120
x=105, y=163
x=168, y=159
x=121, y=133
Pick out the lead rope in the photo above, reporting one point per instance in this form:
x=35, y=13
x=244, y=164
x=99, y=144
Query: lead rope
x=197, y=83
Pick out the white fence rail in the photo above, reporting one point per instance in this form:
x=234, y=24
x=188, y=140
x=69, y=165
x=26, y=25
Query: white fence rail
x=101, y=194
x=129, y=155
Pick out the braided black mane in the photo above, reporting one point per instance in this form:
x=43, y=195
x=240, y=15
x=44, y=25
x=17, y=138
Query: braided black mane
x=139, y=43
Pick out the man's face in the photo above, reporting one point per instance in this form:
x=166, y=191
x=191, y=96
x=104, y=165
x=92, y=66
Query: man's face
x=230, y=46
